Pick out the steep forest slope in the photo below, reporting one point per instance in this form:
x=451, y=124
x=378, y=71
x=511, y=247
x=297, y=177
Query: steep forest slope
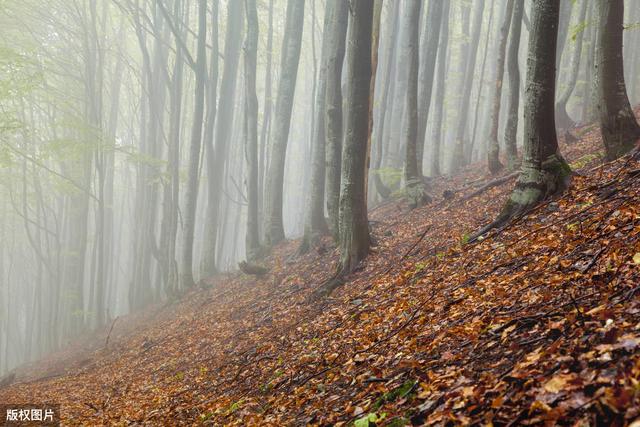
x=535, y=323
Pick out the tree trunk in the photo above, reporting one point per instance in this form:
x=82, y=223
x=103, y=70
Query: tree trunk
x=618, y=125
x=378, y=135
x=439, y=99
x=333, y=114
x=465, y=96
x=563, y=120
x=354, y=226
x=493, y=152
x=315, y=223
x=194, y=150
x=544, y=171
x=284, y=104
x=218, y=150
x=251, y=128
x=409, y=48
x=511, y=129
x=429, y=46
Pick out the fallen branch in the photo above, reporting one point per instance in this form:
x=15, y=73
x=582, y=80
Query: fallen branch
x=491, y=184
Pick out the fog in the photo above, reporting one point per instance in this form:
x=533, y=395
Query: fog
x=134, y=166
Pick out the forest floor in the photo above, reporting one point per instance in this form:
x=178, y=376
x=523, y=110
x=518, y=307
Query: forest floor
x=537, y=323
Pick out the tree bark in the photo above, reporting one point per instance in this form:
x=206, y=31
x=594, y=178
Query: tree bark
x=513, y=68
x=191, y=197
x=544, y=172
x=333, y=114
x=563, y=120
x=439, y=99
x=429, y=47
x=251, y=128
x=619, y=127
x=354, y=226
x=409, y=49
x=493, y=152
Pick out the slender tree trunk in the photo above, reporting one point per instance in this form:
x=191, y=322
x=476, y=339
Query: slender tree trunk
x=266, y=118
x=191, y=197
x=440, y=93
x=284, y=104
x=315, y=223
x=459, y=144
x=378, y=135
x=563, y=120
x=354, y=226
x=409, y=48
x=493, y=152
x=218, y=153
x=333, y=114
x=620, y=129
x=429, y=49
x=251, y=128
x=513, y=68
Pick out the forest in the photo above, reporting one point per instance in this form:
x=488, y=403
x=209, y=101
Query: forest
x=320, y=212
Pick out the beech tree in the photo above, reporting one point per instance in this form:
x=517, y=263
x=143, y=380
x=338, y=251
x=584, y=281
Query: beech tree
x=354, y=226
x=513, y=68
x=544, y=171
x=251, y=128
x=619, y=127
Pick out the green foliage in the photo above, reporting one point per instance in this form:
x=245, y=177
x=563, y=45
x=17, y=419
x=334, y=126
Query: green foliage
x=397, y=393
x=235, y=406
x=465, y=238
x=369, y=419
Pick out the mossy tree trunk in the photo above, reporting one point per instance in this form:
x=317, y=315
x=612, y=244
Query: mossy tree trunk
x=544, y=171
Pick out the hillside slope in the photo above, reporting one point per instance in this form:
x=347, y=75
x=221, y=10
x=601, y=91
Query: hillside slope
x=536, y=323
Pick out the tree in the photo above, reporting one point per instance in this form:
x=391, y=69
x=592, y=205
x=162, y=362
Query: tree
x=409, y=48
x=251, y=128
x=387, y=94
x=563, y=120
x=439, y=101
x=315, y=223
x=333, y=114
x=429, y=47
x=354, y=226
x=513, y=68
x=217, y=150
x=194, y=149
x=619, y=127
x=291, y=42
x=465, y=96
x=493, y=153
x=544, y=171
